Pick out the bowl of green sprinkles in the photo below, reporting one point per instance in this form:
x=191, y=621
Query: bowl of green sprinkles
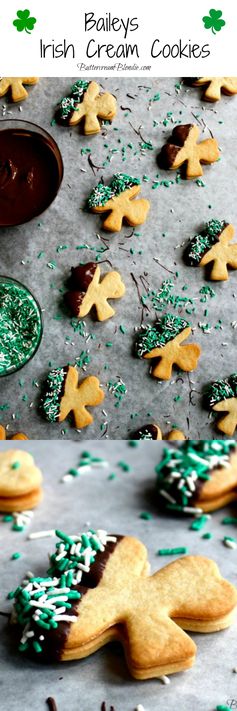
x=21, y=325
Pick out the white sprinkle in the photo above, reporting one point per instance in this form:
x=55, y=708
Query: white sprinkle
x=191, y=509
x=167, y=496
x=229, y=544
x=86, y=468
x=41, y=638
x=67, y=477
x=65, y=618
x=235, y=670
x=38, y=604
x=164, y=679
x=60, y=591
x=30, y=634
x=140, y=707
x=60, y=555
x=42, y=534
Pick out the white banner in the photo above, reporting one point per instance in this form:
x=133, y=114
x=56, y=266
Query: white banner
x=92, y=38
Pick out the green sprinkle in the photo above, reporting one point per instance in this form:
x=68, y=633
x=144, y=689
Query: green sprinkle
x=222, y=708
x=145, y=516
x=112, y=476
x=133, y=443
x=124, y=466
x=229, y=519
x=73, y=472
x=109, y=344
x=207, y=536
x=15, y=465
x=7, y=518
x=199, y=523
x=122, y=329
x=172, y=551
x=229, y=538
x=37, y=646
x=64, y=537
x=15, y=556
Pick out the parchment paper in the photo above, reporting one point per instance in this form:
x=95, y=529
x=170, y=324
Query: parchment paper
x=178, y=211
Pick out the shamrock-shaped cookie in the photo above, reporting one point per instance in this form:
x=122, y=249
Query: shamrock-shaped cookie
x=213, y=86
x=15, y=84
x=183, y=149
x=86, y=102
x=212, y=247
x=63, y=394
x=117, y=198
x=152, y=431
x=87, y=291
x=163, y=342
x=18, y=435
x=221, y=396
x=198, y=476
x=20, y=481
x=107, y=594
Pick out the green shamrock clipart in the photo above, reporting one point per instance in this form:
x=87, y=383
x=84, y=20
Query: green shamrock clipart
x=24, y=21
x=213, y=21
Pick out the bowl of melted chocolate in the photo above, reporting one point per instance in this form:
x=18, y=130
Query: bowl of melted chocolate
x=31, y=171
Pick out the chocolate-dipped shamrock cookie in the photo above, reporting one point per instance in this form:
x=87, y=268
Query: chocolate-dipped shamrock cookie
x=86, y=102
x=98, y=590
x=221, y=396
x=211, y=247
x=163, y=342
x=198, y=476
x=117, y=198
x=87, y=291
x=64, y=394
x=183, y=149
x=214, y=86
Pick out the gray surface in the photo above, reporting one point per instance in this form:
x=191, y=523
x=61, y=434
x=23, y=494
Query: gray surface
x=178, y=211
x=82, y=686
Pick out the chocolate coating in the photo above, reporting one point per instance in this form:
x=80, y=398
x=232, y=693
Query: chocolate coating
x=80, y=280
x=73, y=299
x=180, y=134
x=82, y=275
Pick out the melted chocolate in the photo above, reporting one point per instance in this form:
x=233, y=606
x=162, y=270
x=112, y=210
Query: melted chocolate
x=146, y=429
x=55, y=639
x=30, y=174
